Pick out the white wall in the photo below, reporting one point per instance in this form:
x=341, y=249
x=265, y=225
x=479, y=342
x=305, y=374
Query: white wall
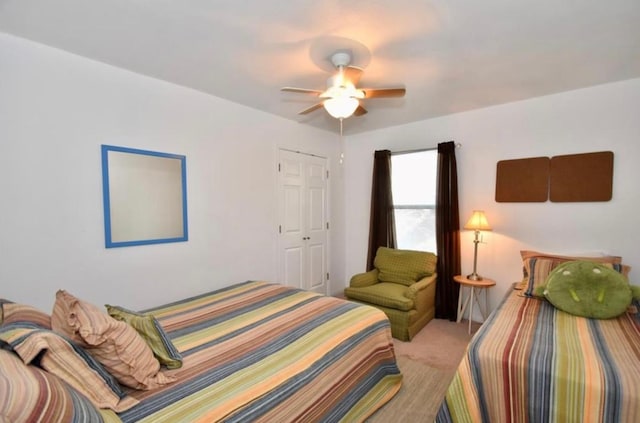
x=594, y=119
x=56, y=109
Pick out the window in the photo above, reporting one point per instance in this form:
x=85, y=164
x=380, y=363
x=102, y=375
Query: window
x=413, y=186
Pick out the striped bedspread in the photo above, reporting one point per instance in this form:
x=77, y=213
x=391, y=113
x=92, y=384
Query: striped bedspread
x=533, y=363
x=265, y=352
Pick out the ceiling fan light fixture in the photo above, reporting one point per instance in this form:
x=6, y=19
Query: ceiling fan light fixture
x=341, y=107
x=341, y=98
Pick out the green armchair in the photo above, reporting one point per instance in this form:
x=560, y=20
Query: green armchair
x=402, y=285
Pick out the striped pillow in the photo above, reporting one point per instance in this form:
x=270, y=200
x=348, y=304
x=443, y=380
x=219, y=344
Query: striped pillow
x=150, y=330
x=116, y=345
x=63, y=358
x=11, y=312
x=30, y=394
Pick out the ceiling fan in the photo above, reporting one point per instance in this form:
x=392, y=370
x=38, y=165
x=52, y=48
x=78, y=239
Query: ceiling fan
x=342, y=98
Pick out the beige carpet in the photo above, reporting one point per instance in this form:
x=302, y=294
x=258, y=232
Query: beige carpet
x=440, y=344
x=419, y=398
x=428, y=364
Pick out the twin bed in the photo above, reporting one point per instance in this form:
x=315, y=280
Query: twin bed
x=530, y=362
x=258, y=351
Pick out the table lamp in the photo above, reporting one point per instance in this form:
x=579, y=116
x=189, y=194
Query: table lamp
x=477, y=222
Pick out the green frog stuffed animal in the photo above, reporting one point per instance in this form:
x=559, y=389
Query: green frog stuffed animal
x=589, y=289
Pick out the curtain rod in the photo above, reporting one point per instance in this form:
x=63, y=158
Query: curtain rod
x=420, y=150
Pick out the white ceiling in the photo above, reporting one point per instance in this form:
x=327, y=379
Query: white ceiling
x=451, y=55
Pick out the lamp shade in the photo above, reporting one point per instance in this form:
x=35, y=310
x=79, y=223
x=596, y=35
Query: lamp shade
x=341, y=107
x=477, y=222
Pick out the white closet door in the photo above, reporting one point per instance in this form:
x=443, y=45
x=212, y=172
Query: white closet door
x=303, y=229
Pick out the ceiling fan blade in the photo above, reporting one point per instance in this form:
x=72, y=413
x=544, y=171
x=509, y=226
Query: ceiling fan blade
x=383, y=92
x=360, y=111
x=300, y=90
x=310, y=109
x=352, y=74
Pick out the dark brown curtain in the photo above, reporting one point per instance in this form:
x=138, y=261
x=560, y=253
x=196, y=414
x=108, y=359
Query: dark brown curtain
x=447, y=232
x=382, y=231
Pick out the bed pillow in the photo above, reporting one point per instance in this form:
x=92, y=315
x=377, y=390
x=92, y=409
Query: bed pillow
x=537, y=266
x=150, y=330
x=525, y=254
x=116, y=345
x=11, y=312
x=61, y=357
x=589, y=289
x=49, y=398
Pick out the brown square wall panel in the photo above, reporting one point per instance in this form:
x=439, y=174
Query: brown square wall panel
x=582, y=177
x=522, y=180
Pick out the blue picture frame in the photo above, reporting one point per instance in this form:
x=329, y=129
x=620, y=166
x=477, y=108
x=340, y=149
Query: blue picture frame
x=144, y=197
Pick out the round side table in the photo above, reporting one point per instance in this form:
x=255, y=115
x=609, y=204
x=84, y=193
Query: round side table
x=482, y=286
